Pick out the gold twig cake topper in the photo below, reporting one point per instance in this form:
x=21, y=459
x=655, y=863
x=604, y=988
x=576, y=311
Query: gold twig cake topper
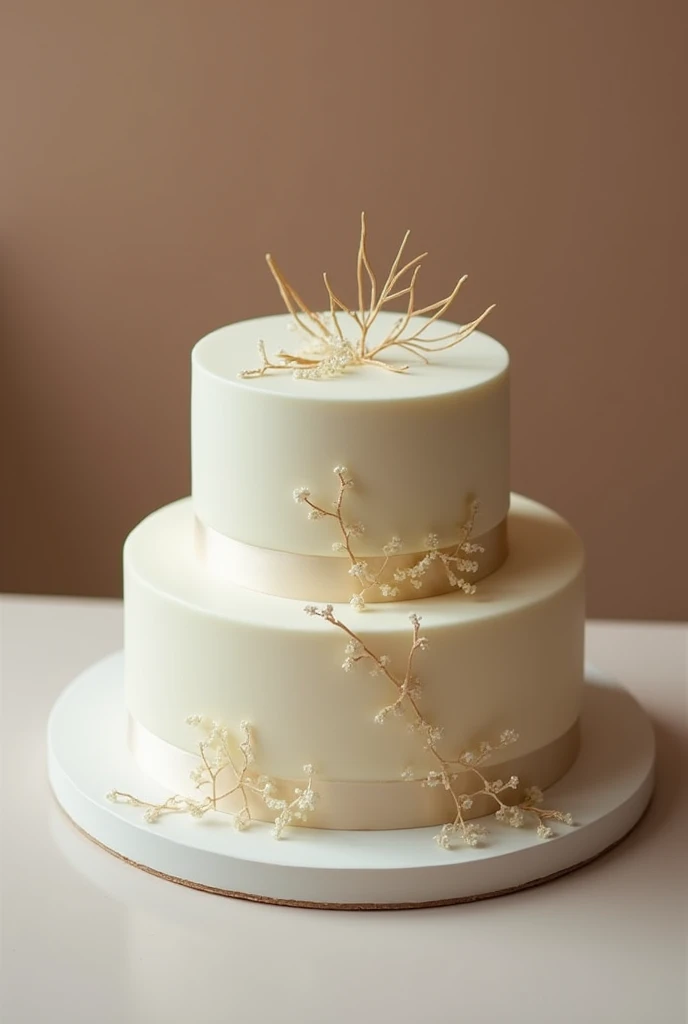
x=329, y=350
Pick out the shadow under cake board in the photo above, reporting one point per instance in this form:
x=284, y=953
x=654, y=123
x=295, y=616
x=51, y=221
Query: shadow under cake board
x=453, y=901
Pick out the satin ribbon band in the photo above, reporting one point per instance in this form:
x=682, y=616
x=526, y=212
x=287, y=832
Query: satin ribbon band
x=360, y=806
x=323, y=578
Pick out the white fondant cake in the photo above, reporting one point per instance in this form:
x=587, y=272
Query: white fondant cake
x=215, y=587
x=352, y=625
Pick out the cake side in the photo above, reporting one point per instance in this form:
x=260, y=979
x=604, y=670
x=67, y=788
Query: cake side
x=423, y=443
x=509, y=659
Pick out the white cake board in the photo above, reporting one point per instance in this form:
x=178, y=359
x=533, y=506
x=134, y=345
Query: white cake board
x=606, y=791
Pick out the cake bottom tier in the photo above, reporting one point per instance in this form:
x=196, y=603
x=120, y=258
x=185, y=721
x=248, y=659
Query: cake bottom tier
x=314, y=689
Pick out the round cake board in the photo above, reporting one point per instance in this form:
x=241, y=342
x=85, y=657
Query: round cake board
x=606, y=791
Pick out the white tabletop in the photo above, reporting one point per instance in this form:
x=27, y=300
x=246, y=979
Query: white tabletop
x=87, y=938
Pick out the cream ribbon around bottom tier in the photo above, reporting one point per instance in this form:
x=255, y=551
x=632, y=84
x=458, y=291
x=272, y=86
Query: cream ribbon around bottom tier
x=359, y=806
x=320, y=578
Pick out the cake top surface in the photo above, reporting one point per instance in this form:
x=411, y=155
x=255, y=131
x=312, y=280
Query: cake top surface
x=230, y=351
x=545, y=555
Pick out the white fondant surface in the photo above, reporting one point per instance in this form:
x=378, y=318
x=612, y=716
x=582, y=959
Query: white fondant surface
x=606, y=791
x=510, y=657
x=419, y=444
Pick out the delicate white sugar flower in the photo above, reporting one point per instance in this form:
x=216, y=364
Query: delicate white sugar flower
x=310, y=609
x=516, y=817
x=111, y=796
x=338, y=546
x=433, y=734
x=315, y=513
x=215, y=759
x=544, y=832
x=432, y=541
x=359, y=570
x=306, y=801
x=445, y=835
x=194, y=720
x=384, y=660
x=408, y=774
x=348, y=664
x=508, y=736
x=301, y=494
x=433, y=779
x=393, y=547
x=357, y=603
x=340, y=471
x=534, y=795
x=470, y=834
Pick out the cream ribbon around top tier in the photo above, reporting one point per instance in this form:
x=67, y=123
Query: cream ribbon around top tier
x=320, y=578
x=365, y=805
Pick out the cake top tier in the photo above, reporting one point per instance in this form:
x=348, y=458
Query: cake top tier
x=231, y=351
x=420, y=448
x=408, y=408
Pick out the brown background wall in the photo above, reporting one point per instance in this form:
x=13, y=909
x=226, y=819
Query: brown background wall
x=154, y=149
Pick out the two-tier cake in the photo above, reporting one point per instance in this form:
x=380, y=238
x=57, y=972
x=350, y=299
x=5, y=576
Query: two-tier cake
x=352, y=625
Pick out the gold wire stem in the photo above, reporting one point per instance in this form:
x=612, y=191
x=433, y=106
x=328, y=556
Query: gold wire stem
x=335, y=351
